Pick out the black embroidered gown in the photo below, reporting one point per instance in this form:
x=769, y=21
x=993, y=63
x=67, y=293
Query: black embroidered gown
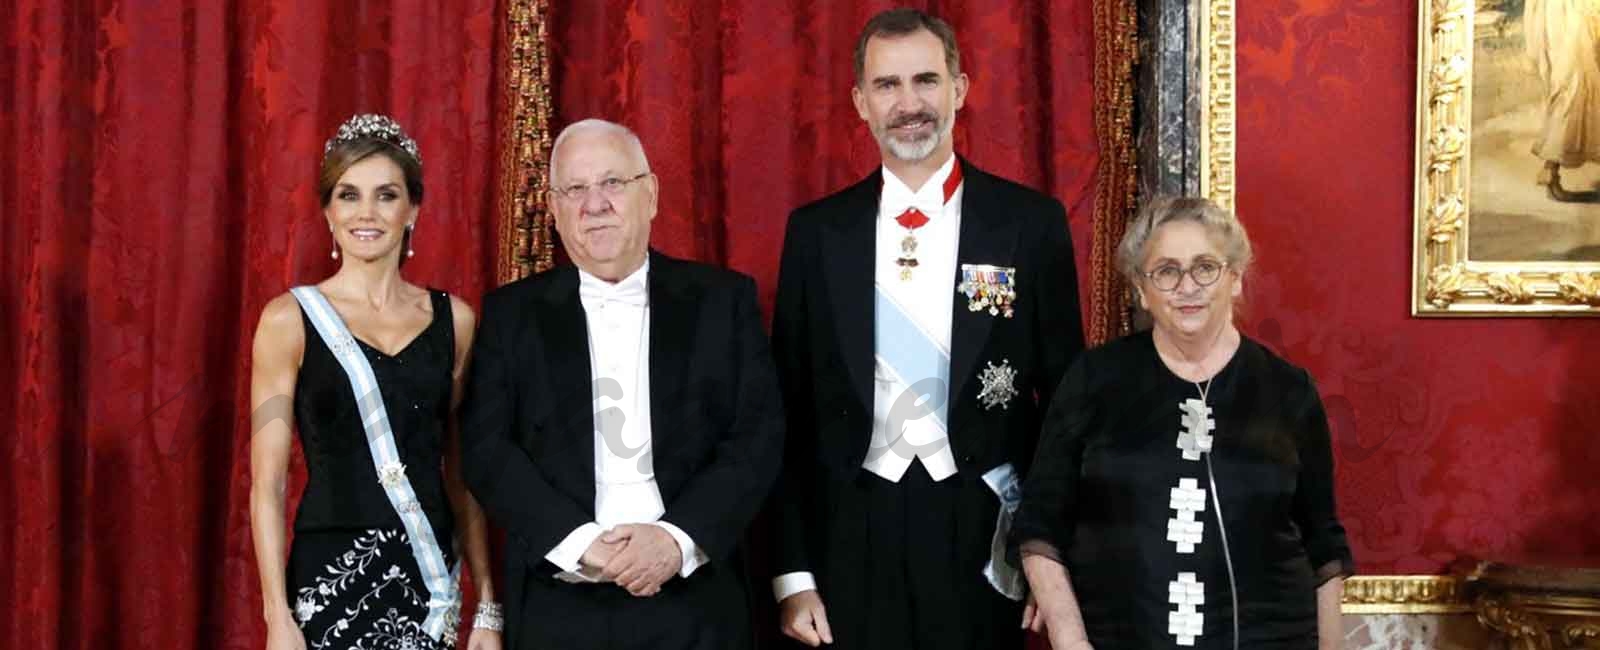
x=353, y=579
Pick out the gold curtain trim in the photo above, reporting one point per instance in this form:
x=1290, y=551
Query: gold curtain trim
x=1116, y=185
x=524, y=240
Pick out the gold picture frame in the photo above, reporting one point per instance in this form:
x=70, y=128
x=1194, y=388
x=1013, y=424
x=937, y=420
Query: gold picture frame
x=1404, y=594
x=1446, y=280
x=1217, y=118
x=1373, y=594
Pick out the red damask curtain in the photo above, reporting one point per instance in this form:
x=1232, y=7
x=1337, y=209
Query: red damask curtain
x=157, y=169
x=157, y=178
x=744, y=107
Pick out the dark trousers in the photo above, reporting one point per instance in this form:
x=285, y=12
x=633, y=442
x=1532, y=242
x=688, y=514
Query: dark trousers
x=921, y=592
x=707, y=611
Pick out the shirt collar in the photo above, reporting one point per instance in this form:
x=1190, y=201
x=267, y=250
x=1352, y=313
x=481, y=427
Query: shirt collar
x=930, y=199
x=632, y=290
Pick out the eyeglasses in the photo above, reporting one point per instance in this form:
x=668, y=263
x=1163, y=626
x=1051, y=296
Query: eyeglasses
x=1204, y=273
x=608, y=187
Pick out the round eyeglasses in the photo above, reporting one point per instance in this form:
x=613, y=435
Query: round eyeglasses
x=1205, y=273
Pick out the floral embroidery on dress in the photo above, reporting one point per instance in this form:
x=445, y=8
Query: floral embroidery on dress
x=342, y=576
x=395, y=631
x=313, y=600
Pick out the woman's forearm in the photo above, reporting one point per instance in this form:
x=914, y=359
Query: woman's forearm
x=474, y=531
x=268, y=532
x=1052, y=589
x=471, y=525
x=1330, y=622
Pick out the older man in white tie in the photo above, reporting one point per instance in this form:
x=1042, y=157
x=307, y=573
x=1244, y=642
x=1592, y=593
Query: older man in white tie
x=624, y=423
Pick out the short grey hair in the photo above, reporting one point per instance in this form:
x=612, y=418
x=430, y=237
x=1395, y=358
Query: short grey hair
x=595, y=124
x=1221, y=224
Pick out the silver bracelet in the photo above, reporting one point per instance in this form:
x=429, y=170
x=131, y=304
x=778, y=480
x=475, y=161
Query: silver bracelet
x=490, y=617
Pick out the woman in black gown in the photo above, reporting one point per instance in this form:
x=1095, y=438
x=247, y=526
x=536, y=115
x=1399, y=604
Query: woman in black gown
x=377, y=532
x=1184, y=475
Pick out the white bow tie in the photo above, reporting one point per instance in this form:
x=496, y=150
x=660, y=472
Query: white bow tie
x=631, y=291
x=896, y=201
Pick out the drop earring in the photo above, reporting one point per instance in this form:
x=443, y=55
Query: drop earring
x=411, y=248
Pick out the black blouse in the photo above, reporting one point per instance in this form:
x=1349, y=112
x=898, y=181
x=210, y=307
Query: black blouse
x=342, y=488
x=1099, y=498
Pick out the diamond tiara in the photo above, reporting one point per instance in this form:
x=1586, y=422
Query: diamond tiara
x=372, y=125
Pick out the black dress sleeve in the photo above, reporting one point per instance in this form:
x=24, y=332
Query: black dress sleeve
x=1315, y=510
x=1044, y=522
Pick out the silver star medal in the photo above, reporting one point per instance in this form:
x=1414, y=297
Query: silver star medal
x=999, y=385
x=392, y=474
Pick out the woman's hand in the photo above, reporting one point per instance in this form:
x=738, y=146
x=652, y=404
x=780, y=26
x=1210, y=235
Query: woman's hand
x=1052, y=604
x=1078, y=643
x=482, y=639
x=1032, y=618
x=283, y=634
x=1065, y=632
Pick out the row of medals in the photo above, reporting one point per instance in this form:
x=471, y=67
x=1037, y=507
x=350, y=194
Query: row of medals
x=995, y=298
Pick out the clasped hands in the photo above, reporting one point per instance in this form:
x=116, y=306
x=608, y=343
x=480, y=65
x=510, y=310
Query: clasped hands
x=637, y=557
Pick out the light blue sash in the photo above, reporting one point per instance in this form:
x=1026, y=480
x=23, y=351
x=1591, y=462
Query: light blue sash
x=442, y=581
x=913, y=356
x=1006, y=579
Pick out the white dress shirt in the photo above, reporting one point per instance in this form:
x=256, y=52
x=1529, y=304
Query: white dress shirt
x=625, y=490
x=928, y=299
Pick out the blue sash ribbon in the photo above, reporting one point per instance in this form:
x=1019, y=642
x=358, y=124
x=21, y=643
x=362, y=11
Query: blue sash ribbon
x=444, y=600
x=908, y=350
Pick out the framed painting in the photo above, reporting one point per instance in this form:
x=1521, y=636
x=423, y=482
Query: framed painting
x=1507, y=212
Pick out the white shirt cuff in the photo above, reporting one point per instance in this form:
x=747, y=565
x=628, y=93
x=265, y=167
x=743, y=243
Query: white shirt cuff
x=568, y=555
x=693, y=557
x=793, y=583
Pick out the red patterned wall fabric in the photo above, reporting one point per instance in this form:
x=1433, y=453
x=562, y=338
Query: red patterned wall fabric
x=1454, y=437
x=159, y=164
x=157, y=178
x=744, y=107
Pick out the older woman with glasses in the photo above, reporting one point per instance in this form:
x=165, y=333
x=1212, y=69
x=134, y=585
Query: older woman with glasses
x=1182, y=493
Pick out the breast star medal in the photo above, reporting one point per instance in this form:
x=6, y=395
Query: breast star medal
x=999, y=385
